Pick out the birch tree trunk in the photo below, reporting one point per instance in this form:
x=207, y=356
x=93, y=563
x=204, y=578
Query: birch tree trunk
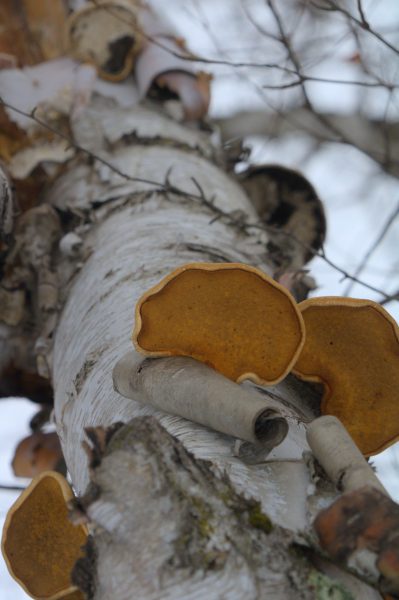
x=175, y=512
x=175, y=509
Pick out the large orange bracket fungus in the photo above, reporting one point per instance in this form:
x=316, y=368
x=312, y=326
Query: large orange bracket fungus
x=352, y=348
x=39, y=544
x=230, y=316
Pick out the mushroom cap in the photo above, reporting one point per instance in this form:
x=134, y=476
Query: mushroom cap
x=352, y=348
x=231, y=316
x=39, y=544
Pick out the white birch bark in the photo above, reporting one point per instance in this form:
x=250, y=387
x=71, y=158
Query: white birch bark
x=143, y=502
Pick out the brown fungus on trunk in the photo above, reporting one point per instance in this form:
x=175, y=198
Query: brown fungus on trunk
x=106, y=35
x=352, y=348
x=39, y=544
x=39, y=452
x=363, y=522
x=231, y=316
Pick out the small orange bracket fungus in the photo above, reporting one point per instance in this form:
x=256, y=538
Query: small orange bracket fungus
x=37, y=453
x=363, y=522
x=230, y=316
x=352, y=348
x=39, y=544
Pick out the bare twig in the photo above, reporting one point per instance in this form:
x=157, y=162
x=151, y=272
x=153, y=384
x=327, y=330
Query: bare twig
x=12, y=488
x=304, y=78
x=376, y=243
x=362, y=22
x=389, y=298
x=188, y=57
x=362, y=15
x=286, y=41
x=168, y=188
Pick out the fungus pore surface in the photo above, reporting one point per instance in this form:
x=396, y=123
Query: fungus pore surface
x=231, y=316
x=352, y=348
x=40, y=545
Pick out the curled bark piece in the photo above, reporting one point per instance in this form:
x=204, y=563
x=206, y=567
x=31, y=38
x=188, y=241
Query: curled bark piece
x=190, y=389
x=192, y=90
x=26, y=160
x=339, y=456
x=161, y=74
x=107, y=35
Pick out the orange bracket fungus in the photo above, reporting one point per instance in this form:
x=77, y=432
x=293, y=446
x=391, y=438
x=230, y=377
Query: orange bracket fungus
x=37, y=453
x=352, y=348
x=363, y=524
x=39, y=544
x=230, y=316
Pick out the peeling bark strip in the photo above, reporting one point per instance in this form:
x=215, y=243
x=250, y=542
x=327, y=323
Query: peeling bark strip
x=166, y=527
x=339, y=456
x=190, y=389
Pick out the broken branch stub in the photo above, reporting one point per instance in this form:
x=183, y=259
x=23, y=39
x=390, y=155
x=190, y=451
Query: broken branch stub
x=185, y=387
x=106, y=35
x=230, y=316
x=352, y=348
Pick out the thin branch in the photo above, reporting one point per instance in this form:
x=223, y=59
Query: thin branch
x=362, y=23
x=363, y=263
x=362, y=15
x=185, y=56
x=246, y=64
x=73, y=144
x=389, y=298
x=168, y=188
x=285, y=40
x=12, y=488
x=304, y=78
